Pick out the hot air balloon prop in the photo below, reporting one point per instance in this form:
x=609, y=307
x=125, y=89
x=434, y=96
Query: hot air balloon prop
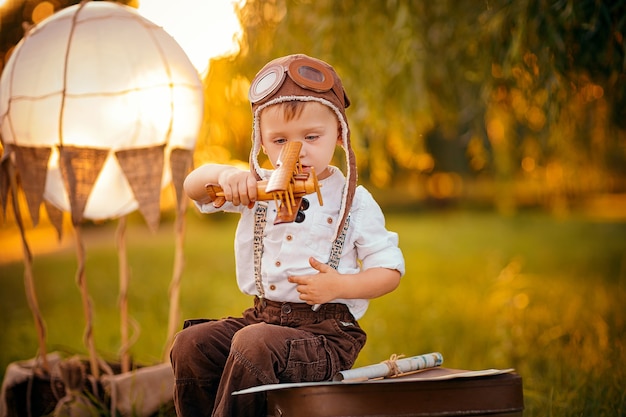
x=99, y=111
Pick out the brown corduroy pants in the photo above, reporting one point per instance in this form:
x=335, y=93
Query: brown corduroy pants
x=271, y=343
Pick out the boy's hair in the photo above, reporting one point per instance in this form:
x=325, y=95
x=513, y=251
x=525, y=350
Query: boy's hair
x=300, y=78
x=291, y=109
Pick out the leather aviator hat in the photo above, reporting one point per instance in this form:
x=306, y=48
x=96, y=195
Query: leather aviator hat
x=302, y=78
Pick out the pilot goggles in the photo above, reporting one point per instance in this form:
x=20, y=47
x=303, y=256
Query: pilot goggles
x=305, y=72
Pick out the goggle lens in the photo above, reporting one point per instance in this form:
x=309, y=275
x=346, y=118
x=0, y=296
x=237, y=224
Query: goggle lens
x=310, y=73
x=306, y=73
x=265, y=84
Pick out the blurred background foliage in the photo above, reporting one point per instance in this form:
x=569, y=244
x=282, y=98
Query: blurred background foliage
x=500, y=102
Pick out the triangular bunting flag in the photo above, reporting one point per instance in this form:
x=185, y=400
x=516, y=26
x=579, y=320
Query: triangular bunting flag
x=143, y=168
x=32, y=167
x=181, y=161
x=56, y=218
x=5, y=180
x=80, y=168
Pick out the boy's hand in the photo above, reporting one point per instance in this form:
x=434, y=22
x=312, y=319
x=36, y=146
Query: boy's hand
x=319, y=288
x=240, y=187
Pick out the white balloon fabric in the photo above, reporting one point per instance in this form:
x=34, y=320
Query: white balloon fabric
x=99, y=75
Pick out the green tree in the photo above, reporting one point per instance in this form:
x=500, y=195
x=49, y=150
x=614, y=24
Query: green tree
x=525, y=90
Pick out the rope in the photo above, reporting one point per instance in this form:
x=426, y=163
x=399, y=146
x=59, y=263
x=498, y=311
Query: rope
x=392, y=364
x=81, y=282
x=29, y=282
x=123, y=295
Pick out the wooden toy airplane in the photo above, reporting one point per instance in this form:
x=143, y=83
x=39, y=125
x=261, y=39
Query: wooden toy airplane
x=287, y=185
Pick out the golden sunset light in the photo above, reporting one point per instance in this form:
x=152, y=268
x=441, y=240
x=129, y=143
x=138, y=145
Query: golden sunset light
x=204, y=29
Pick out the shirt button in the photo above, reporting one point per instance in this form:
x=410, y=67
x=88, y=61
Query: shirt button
x=272, y=287
x=277, y=263
x=289, y=237
x=329, y=220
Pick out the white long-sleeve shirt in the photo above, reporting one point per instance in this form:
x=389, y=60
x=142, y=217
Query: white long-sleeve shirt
x=288, y=246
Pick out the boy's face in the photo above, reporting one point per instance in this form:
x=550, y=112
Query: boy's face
x=316, y=127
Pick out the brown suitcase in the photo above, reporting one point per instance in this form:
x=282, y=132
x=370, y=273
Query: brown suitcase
x=431, y=392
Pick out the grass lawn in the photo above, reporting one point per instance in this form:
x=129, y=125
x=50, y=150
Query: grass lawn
x=542, y=295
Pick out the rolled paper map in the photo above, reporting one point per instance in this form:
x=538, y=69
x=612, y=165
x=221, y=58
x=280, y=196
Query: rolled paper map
x=392, y=367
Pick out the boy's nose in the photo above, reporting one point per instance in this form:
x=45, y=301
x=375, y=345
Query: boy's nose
x=302, y=149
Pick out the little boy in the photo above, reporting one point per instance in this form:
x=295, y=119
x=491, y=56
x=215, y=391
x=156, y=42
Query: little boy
x=312, y=278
